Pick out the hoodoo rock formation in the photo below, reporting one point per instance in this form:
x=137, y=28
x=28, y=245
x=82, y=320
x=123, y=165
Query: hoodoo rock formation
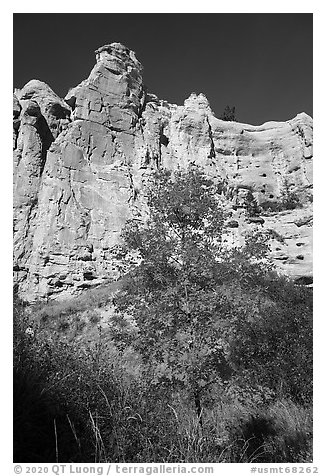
x=80, y=165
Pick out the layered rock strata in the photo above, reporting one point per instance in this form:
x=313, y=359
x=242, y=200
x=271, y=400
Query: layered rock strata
x=81, y=164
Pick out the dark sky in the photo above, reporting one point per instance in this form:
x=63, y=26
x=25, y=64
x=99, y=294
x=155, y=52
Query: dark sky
x=260, y=63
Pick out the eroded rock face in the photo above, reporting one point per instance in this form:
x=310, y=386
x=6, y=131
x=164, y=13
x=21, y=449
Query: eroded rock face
x=81, y=165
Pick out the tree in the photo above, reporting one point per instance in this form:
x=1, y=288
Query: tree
x=228, y=114
x=175, y=296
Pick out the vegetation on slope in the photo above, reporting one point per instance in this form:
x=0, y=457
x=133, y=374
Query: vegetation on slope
x=207, y=358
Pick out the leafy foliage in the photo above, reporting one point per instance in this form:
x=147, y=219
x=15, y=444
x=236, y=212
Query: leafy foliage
x=182, y=314
x=276, y=346
x=289, y=200
x=251, y=204
x=228, y=114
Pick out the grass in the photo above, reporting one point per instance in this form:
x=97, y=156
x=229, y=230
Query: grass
x=80, y=400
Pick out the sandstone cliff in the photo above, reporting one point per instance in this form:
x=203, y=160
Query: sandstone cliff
x=80, y=165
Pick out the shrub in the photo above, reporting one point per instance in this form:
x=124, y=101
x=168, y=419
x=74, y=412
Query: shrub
x=273, y=347
x=228, y=114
